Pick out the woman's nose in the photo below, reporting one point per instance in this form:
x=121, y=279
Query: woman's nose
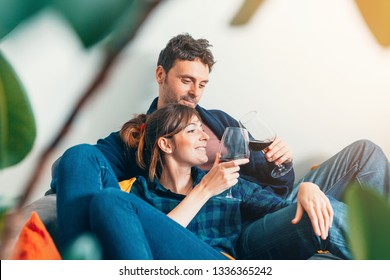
x=205, y=136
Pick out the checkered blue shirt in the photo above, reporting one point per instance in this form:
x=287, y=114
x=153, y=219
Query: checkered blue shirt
x=219, y=221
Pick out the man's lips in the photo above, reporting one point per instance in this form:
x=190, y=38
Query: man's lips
x=189, y=101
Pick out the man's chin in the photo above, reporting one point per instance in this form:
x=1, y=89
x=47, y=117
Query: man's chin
x=188, y=103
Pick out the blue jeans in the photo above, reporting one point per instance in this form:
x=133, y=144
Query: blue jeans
x=274, y=237
x=362, y=162
x=130, y=228
x=89, y=200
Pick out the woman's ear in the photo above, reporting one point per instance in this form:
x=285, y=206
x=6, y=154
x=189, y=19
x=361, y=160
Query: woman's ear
x=160, y=74
x=165, y=145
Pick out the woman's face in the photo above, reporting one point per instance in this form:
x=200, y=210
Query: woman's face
x=189, y=145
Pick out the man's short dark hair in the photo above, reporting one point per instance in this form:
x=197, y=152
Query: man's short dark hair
x=184, y=47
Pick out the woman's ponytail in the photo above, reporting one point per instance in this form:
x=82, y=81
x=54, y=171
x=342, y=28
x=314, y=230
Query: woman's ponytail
x=132, y=134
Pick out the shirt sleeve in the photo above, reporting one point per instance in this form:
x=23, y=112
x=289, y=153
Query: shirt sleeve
x=258, y=201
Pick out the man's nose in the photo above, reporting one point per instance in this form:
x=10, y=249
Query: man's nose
x=195, y=91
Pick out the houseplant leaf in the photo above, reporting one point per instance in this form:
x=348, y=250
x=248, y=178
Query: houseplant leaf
x=127, y=26
x=92, y=20
x=13, y=12
x=5, y=205
x=84, y=247
x=17, y=123
x=369, y=217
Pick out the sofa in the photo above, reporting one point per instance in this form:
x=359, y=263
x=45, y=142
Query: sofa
x=45, y=208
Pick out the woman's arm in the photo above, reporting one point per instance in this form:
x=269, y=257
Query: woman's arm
x=221, y=177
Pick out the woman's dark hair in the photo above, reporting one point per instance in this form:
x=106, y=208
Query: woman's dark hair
x=143, y=131
x=184, y=47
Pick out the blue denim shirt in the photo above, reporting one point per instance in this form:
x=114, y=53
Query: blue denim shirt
x=219, y=221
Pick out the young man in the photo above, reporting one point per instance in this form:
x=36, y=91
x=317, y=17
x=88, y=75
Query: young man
x=182, y=73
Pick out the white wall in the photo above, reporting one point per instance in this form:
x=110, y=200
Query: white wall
x=312, y=67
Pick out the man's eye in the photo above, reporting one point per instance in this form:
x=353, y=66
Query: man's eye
x=186, y=81
x=202, y=85
x=191, y=131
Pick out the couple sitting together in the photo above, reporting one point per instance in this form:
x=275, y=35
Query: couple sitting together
x=171, y=210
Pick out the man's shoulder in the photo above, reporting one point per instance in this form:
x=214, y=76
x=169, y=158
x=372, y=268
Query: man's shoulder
x=223, y=117
x=113, y=140
x=218, y=113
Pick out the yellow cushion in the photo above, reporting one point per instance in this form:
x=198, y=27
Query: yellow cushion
x=125, y=185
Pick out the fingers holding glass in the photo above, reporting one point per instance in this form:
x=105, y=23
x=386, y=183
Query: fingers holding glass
x=265, y=139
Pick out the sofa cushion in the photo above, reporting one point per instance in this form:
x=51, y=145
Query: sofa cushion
x=34, y=242
x=46, y=210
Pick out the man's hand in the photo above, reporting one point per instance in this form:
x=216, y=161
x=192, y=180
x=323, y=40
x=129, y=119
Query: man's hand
x=317, y=206
x=279, y=151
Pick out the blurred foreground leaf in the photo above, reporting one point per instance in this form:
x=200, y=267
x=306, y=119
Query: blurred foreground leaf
x=85, y=247
x=376, y=13
x=5, y=205
x=369, y=216
x=246, y=12
x=13, y=12
x=92, y=19
x=17, y=124
x=128, y=24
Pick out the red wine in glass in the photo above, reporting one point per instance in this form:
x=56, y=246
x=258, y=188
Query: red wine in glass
x=263, y=136
x=257, y=145
x=230, y=158
x=234, y=145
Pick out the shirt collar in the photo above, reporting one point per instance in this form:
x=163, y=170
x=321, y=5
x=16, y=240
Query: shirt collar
x=196, y=174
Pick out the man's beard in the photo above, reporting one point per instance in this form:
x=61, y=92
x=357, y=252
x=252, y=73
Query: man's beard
x=190, y=99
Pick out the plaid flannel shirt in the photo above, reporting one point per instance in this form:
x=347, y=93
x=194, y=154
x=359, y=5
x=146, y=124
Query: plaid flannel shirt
x=219, y=221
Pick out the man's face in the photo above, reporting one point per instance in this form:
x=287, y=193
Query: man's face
x=184, y=83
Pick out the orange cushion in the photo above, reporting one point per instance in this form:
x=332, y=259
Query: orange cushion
x=35, y=242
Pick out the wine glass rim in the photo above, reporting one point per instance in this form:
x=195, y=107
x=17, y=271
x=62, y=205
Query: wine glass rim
x=240, y=128
x=248, y=116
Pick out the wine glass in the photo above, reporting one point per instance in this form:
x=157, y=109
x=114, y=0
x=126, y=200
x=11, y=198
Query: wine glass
x=234, y=145
x=263, y=136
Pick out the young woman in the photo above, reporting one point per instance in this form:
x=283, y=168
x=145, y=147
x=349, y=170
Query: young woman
x=173, y=213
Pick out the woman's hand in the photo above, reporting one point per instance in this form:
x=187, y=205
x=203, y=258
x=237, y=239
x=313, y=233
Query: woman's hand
x=279, y=151
x=222, y=175
x=317, y=206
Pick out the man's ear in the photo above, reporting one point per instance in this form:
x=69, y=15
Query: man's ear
x=160, y=74
x=165, y=145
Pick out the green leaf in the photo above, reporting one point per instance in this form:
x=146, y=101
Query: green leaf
x=5, y=205
x=17, y=124
x=92, y=19
x=127, y=26
x=369, y=217
x=13, y=12
x=84, y=247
